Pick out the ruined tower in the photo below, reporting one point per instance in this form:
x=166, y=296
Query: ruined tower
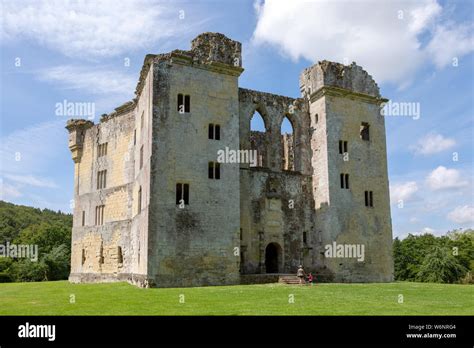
x=155, y=207
x=349, y=163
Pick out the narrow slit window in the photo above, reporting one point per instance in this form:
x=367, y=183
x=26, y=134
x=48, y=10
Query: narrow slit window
x=214, y=170
x=340, y=146
x=186, y=193
x=99, y=215
x=211, y=131
x=141, y=157
x=210, y=170
x=371, y=199
x=304, y=238
x=364, y=131
x=180, y=104
x=101, y=179
x=83, y=218
x=187, y=103
x=366, y=194
x=139, y=200
x=347, y=180
x=217, y=173
x=119, y=255
x=102, y=150
x=179, y=193
x=217, y=132
x=101, y=256
x=342, y=180
x=345, y=147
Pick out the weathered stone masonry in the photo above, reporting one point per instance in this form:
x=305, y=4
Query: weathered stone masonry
x=253, y=220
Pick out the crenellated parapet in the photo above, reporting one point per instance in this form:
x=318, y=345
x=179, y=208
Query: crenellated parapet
x=337, y=77
x=77, y=130
x=212, y=51
x=209, y=48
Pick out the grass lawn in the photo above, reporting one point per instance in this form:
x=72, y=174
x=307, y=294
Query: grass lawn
x=53, y=298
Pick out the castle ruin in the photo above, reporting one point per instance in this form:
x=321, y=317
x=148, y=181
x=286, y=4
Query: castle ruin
x=154, y=207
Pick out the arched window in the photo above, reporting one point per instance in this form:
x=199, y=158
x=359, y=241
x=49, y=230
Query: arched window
x=287, y=145
x=258, y=140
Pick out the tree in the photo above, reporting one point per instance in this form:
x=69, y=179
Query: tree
x=440, y=266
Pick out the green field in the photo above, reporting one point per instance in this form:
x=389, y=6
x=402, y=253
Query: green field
x=53, y=298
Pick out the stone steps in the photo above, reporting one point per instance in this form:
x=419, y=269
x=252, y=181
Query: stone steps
x=289, y=279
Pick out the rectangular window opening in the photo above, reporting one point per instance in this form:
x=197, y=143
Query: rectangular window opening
x=211, y=131
x=179, y=193
x=210, y=170
x=180, y=104
x=139, y=200
x=187, y=103
x=364, y=131
x=186, y=194
x=141, y=157
x=182, y=194
x=217, y=173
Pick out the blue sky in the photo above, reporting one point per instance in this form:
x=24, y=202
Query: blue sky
x=419, y=52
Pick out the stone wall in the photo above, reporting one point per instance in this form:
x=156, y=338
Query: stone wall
x=194, y=245
x=342, y=215
x=253, y=220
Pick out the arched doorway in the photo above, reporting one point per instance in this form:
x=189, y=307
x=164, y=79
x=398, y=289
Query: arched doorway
x=272, y=258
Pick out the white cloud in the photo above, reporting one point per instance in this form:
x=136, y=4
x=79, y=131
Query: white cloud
x=462, y=214
x=91, y=80
x=91, y=28
x=426, y=230
x=450, y=43
x=444, y=178
x=8, y=192
x=403, y=191
x=32, y=150
x=433, y=143
x=31, y=180
x=369, y=32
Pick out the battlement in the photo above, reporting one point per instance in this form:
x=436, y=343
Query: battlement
x=330, y=74
x=217, y=48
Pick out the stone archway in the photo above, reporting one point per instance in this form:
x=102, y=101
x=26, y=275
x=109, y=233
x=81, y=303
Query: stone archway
x=272, y=258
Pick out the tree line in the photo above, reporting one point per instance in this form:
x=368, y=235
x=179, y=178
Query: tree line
x=424, y=258
x=49, y=230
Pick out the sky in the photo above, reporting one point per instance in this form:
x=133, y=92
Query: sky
x=419, y=52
